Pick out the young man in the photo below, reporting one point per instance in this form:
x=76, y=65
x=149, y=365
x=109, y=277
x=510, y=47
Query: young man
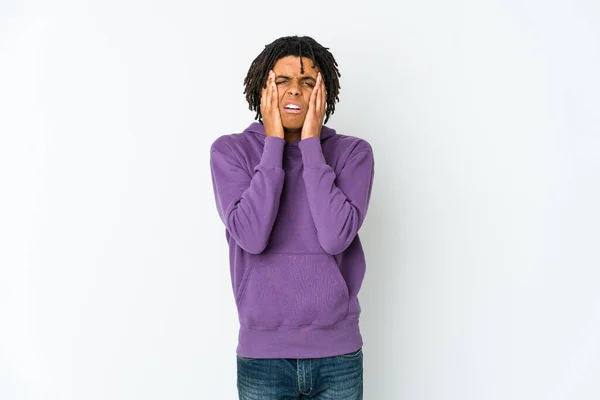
x=293, y=194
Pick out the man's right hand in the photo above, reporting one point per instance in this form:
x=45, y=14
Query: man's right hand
x=269, y=109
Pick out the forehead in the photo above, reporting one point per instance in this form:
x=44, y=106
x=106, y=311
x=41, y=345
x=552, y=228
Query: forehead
x=290, y=65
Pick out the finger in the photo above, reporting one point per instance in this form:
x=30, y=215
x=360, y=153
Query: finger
x=269, y=91
x=323, y=95
x=274, y=94
x=265, y=96
x=319, y=100
x=313, y=96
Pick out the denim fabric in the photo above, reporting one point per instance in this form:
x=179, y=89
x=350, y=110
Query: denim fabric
x=332, y=378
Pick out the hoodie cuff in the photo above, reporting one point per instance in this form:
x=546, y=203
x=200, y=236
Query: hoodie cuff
x=312, y=152
x=273, y=152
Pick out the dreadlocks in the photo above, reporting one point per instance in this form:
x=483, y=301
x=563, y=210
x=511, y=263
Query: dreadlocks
x=292, y=46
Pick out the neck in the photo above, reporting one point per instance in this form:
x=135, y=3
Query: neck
x=292, y=134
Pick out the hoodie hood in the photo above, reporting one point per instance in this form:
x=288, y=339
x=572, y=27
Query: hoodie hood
x=257, y=129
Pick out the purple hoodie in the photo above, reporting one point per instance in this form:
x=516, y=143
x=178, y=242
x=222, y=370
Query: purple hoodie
x=292, y=212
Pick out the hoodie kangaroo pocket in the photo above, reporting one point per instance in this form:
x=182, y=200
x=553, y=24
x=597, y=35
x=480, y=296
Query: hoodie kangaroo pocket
x=294, y=290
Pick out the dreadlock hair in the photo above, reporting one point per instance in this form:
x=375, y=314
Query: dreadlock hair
x=256, y=79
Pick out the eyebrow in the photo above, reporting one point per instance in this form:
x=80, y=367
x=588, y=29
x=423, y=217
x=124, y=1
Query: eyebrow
x=303, y=78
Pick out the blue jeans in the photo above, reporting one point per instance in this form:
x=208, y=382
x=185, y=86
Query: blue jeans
x=332, y=378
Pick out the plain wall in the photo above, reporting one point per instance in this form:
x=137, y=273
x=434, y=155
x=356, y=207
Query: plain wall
x=482, y=238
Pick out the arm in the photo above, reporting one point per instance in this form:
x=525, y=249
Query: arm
x=247, y=204
x=338, y=204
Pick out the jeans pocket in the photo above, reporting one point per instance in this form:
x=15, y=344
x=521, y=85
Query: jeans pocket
x=352, y=355
x=240, y=358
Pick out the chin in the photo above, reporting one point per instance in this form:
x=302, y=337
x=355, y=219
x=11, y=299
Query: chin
x=293, y=125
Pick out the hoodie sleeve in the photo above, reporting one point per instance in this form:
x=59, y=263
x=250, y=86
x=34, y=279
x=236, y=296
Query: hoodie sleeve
x=338, y=204
x=248, y=204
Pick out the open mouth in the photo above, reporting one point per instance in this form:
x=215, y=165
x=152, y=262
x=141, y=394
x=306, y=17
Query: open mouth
x=292, y=108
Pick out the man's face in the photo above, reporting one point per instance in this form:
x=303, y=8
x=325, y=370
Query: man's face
x=294, y=89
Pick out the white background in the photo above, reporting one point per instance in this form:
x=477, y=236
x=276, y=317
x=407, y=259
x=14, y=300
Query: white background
x=482, y=239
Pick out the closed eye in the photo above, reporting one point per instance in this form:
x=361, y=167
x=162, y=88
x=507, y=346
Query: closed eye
x=306, y=83
x=282, y=80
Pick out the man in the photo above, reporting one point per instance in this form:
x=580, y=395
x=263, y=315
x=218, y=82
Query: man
x=293, y=194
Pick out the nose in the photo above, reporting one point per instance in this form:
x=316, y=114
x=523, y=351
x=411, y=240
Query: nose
x=293, y=89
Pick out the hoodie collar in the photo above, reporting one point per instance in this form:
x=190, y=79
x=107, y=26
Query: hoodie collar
x=258, y=130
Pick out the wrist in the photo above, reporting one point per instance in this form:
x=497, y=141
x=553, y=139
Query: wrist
x=270, y=133
x=309, y=135
x=312, y=152
x=310, y=132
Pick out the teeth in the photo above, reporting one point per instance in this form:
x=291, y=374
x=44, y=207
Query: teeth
x=292, y=106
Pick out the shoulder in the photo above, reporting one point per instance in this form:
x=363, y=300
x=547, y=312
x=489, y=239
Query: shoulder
x=226, y=149
x=356, y=143
x=349, y=146
x=233, y=144
x=225, y=143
